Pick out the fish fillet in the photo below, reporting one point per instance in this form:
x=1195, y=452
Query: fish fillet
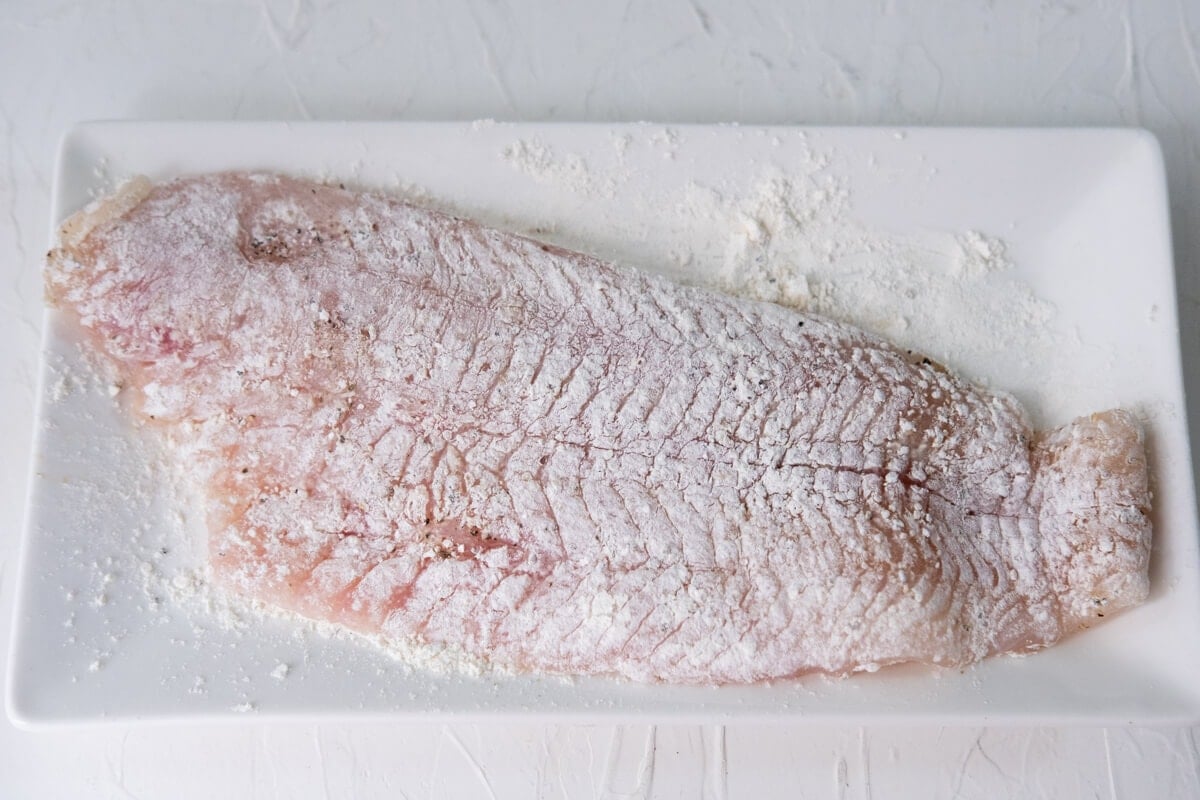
x=413, y=425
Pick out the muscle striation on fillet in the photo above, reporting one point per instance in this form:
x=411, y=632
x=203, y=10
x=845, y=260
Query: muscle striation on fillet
x=416, y=426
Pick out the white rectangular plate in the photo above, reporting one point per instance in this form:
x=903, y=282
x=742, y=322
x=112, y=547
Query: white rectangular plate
x=1076, y=314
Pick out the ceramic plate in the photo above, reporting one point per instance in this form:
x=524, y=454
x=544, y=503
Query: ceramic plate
x=1037, y=261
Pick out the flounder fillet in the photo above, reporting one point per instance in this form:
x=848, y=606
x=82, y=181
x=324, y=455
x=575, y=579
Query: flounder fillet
x=413, y=425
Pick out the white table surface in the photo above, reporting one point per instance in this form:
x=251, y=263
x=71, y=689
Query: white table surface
x=1032, y=62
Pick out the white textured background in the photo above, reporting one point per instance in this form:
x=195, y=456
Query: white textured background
x=1026, y=62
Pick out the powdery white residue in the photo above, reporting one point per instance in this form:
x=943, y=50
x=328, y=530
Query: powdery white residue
x=192, y=590
x=540, y=162
x=86, y=374
x=792, y=236
x=980, y=254
x=164, y=557
x=620, y=143
x=666, y=140
x=793, y=240
x=103, y=180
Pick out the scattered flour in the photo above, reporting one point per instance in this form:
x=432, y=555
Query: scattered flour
x=793, y=241
x=792, y=235
x=188, y=585
x=540, y=162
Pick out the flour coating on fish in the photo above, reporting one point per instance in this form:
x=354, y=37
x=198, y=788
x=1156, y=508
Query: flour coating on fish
x=415, y=426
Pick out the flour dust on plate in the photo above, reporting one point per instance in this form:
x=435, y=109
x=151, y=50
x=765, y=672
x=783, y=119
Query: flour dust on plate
x=429, y=431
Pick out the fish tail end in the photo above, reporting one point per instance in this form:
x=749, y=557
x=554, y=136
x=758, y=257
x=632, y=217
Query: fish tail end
x=1093, y=478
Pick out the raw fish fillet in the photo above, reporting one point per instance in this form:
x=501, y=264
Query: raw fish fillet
x=415, y=426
